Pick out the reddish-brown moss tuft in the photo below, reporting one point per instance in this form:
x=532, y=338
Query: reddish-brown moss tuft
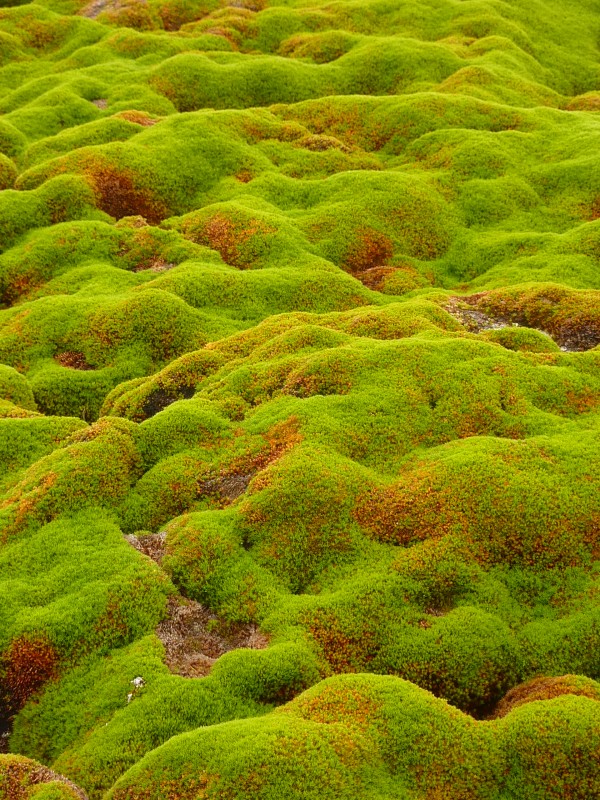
x=120, y=194
x=369, y=249
x=72, y=359
x=30, y=661
x=348, y=645
x=238, y=242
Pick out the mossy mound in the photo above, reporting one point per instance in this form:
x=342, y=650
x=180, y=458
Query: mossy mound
x=374, y=737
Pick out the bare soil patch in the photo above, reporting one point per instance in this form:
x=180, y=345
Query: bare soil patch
x=194, y=637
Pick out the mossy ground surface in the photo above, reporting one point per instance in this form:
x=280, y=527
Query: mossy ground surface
x=300, y=400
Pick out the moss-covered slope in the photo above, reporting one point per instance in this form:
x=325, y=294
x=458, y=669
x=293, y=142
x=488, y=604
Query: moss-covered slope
x=300, y=400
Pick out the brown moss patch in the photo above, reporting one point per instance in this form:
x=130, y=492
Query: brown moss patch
x=30, y=661
x=546, y=688
x=21, y=285
x=73, y=359
x=120, y=194
x=18, y=775
x=348, y=644
x=375, y=277
x=318, y=143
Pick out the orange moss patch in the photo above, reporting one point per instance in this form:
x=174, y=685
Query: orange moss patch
x=585, y=102
x=335, y=704
x=369, y=249
x=594, y=212
x=244, y=176
x=30, y=661
x=25, y=501
x=543, y=688
x=487, y=501
x=279, y=440
x=238, y=242
x=184, y=787
x=407, y=511
x=138, y=118
x=347, y=645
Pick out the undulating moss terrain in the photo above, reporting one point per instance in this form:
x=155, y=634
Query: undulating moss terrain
x=300, y=400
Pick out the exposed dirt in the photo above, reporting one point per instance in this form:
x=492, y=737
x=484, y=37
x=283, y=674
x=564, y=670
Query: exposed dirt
x=194, y=637
x=577, y=340
x=97, y=7
x=161, y=398
x=158, y=265
x=46, y=775
x=226, y=488
x=569, y=339
x=476, y=321
x=151, y=545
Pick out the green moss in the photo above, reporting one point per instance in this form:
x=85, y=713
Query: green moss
x=304, y=298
